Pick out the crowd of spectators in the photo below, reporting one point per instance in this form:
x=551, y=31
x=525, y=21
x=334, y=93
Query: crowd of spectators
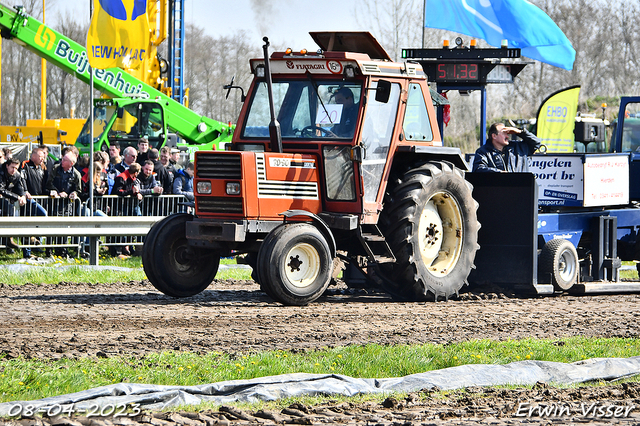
x=132, y=175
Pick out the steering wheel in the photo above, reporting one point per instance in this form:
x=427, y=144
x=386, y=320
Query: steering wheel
x=310, y=132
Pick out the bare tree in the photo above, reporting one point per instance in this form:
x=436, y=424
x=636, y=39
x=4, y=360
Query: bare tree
x=395, y=24
x=20, y=78
x=210, y=64
x=64, y=91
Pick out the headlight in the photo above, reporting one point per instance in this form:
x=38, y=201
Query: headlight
x=203, y=187
x=233, y=188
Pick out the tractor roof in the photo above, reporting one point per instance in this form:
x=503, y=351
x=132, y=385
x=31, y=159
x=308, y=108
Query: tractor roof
x=338, y=51
x=350, y=41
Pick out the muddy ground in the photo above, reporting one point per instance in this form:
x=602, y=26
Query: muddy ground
x=78, y=320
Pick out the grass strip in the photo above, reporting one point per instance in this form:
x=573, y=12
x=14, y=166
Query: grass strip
x=22, y=379
x=86, y=275
x=51, y=273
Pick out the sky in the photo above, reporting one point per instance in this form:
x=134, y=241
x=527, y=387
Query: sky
x=285, y=22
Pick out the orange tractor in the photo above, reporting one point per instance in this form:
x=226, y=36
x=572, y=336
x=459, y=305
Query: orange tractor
x=336, y=160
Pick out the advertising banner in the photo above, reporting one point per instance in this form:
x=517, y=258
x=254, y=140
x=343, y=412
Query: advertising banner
x=559, y=178
x=556, y=120
x=119, y=34
x=606, y=180
x=581, y=180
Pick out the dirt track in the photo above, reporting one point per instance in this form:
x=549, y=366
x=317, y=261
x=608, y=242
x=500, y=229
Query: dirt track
x=77, y=320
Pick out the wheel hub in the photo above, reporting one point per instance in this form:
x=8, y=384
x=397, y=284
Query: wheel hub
x=432, y=234
x=183, y=255
x=303, y=265
x=184, y=258
x=294, y=263
x=566, y=265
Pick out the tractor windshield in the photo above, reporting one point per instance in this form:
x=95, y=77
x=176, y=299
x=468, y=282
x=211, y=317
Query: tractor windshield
x=132, y=122
x=101, y=117
x=135, y=121
x=305, y=109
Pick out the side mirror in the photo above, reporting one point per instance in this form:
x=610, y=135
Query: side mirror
x=120, y=112
x=383, y=91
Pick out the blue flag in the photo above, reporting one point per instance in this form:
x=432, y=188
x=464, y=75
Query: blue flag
x=522, y=24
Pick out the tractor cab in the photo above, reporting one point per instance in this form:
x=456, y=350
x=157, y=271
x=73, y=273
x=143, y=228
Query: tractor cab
x=124, y=121
x=340, y=106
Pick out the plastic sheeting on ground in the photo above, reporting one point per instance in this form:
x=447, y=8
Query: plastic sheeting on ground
x=155, y=397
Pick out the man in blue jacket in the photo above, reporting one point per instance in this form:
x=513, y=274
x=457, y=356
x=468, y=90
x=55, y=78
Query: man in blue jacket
x=499, y=154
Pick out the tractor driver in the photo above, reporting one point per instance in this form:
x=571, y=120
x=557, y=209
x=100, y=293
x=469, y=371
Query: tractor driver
x=347, y=124
x=499, y=154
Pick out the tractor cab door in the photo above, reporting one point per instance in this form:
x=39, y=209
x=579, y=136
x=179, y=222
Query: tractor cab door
x=627, y=139
x=377, y=131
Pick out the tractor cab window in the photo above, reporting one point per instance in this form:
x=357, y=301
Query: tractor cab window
x=101, y=117
x=305, y=109
x=377, y=131
x=416, y=125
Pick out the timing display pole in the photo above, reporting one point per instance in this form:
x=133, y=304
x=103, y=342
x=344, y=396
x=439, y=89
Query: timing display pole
x=467, y=69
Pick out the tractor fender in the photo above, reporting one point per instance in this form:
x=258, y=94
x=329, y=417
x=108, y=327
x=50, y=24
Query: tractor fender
x=320, y=224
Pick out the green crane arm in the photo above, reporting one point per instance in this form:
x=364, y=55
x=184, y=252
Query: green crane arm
x=114, y=82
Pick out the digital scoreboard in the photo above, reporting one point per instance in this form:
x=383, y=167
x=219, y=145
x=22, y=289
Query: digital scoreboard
x=467, y=66
x=457, y=71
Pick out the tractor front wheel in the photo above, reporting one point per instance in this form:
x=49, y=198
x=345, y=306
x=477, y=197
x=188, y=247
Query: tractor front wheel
x=295, y=264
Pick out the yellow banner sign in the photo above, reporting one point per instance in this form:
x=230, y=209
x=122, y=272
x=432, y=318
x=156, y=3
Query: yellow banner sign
x=556, y=120
x=119, y=34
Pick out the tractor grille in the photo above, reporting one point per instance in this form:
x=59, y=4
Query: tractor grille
x=220, y=204
x=282, y=189
x=212, y=165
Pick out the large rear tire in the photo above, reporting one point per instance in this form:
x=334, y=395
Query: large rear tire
x=295, y=264
x=559, y=260
x=431, y=224
x=173, y=266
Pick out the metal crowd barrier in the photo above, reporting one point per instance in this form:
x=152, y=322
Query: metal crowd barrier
x=88, y=229
x=65, y=213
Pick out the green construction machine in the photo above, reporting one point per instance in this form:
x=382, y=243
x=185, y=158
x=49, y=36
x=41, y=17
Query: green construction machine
x=132, y=108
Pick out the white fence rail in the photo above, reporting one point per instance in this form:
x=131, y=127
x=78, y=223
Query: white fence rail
x=85, y=233
x=69, y=224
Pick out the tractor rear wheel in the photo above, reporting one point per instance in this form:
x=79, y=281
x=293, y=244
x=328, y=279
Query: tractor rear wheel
x=295, y=264
x=559, y=260
x=431, y=224
x=172, y=265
